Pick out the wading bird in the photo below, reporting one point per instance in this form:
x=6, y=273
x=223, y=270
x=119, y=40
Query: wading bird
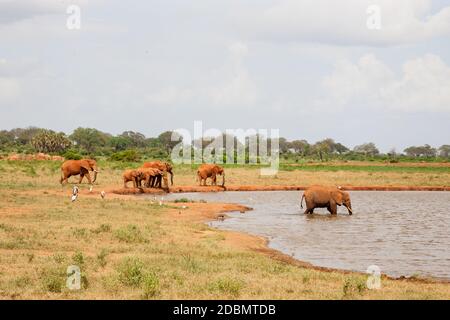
x=103, y=194
x=74, y=193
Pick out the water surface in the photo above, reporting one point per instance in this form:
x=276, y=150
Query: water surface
x=403, y=233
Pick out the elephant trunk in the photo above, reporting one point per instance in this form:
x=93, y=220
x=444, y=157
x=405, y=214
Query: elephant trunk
x=171, y=178
x=95, y=175
x=349, y=208
x=223, y=179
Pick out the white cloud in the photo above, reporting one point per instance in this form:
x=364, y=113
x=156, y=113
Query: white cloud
x=16, y=10
x=423, y=85
x=236, y=89
x=9, y=85
x=345, y=22
x=9, y=89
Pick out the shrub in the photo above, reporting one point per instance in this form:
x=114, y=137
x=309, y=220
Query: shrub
x=53, y=279
x=102, y=228
x=78, y=258
x=101, y=258
x=183, y=200
x=126, y=156
x=150, y=285
x=129, y=234
x=227, y=286
x=353, y=285
x=72, y=155
x=131, y=272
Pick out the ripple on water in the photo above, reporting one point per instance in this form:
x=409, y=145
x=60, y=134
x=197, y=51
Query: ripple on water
x=404, y=233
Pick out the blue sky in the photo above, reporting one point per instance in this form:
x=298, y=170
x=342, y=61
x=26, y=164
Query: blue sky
x=310, y=68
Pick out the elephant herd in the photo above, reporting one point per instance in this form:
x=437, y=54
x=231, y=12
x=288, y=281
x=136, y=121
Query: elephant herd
x=154, y=174
x=150, y=174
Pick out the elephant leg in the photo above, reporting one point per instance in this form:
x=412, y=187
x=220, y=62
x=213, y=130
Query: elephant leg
x=333, y=209
x=159, y=181
x=65, y=179
x=88, y=176
x=81, y=178
x=125, y=184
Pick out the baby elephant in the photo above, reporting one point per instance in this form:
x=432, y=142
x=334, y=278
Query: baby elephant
x=325, y=197
x=131, y=175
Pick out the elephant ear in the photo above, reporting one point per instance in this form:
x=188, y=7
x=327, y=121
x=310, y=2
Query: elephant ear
x=85, y=165
x=337, y=197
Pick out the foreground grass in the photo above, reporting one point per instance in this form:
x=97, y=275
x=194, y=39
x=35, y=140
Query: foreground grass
x=132, y=249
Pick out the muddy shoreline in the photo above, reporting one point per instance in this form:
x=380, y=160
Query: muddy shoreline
x=185, y=189
x=207, y=212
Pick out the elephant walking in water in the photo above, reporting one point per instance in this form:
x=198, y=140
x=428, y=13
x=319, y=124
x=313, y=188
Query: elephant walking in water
x=78, y=167
x=210, y=171
x=325, y=197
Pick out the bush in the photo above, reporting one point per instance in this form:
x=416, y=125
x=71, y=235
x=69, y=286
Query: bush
x=53, y=279
x=129, y=234
x=72, y=155
x=150, y=285
x=126, y=156
x=131, y=272
x=227, y=286
x=353, y=285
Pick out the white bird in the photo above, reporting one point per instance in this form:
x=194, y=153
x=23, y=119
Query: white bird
x=90, y=188
x=103, y=194
x=74, y=193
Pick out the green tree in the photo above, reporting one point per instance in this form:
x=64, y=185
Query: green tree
x=421, y=151
x=368, y=149
x=340, y=148
x=119, y=143
x=6, y=139
x=444, y=151
x=23, y=136
x=135, y=139
x=300, y=146
x=90, y=139
x=165, y=140
x=49, y=141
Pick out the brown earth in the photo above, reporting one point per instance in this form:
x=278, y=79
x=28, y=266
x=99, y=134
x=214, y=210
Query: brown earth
x=181, y=189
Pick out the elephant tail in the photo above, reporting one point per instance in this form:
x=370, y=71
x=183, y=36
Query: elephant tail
x=301, y=201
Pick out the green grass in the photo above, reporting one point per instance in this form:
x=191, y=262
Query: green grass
x=332, y=168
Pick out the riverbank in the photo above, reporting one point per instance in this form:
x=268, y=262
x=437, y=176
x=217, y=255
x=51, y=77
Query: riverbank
x=183, y=189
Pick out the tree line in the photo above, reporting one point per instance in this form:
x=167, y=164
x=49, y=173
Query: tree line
x=130, y=145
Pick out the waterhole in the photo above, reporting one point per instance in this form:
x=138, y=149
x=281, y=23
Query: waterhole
x=403, y=233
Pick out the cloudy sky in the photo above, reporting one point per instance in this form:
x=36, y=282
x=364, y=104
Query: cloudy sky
x=313, y=69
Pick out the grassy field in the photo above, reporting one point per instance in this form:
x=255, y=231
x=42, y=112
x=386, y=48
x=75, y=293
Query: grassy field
x=130, y=248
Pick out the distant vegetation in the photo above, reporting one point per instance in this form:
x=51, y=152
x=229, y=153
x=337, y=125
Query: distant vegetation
x=131, y=146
